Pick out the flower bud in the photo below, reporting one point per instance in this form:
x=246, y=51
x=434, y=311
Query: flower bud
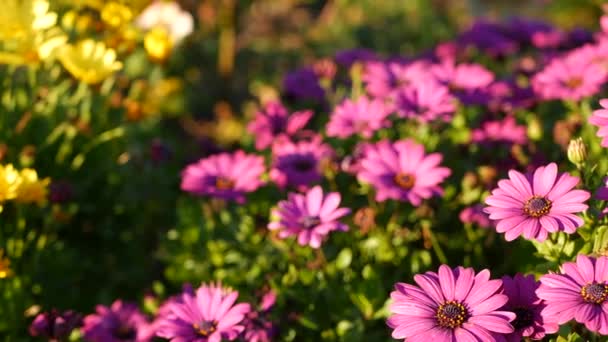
x=577, y=151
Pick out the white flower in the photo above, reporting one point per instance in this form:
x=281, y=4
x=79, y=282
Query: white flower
x=170, y=16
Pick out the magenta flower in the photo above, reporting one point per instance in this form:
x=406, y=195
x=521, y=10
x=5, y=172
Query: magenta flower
x=580, y=292
x=274, y=121
x=475, y=215
x=208, y=316
x=258, y=326
x=568, y=79
x=600, y=119
x=506, y=96
x=402, y=171
x=363, y=116
x=310, y=216
x=527, y=307
x=464, y=80
x=55, y=325
x=298, y=163
x=121, y=322
x=505, y=131
x=384, y=78
x=452, y=305
x=534, y=206
x=227, y=176
x=425, y=101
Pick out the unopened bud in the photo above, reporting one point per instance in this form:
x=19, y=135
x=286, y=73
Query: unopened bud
x=577, y=151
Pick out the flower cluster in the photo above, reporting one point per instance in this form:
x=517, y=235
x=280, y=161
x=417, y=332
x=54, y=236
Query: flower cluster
x=207, y=314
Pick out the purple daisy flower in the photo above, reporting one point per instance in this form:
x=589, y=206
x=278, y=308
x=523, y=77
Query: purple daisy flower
x=451, y=305
x=475, y=215
x=226, y=175
x=208, y=316
x=492, y=38
x=55, y=325
x=310, y=216
x=466, y=81
x=298, y=163
x=580, y=292
x=425, y=101
x=402, y=171
x=121, y=322
x=274, y=121
x=568, y=79
x=602, y=192
x=258, y=326
x=505, y=131
x=524, y=302
x=303, y=84
x=363, y=116
x=536, y=205
x=384, y=78
x=533, y=32
x=600, y=119
x=506, y=96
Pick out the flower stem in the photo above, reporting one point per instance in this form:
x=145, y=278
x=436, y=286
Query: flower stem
x=436, y=247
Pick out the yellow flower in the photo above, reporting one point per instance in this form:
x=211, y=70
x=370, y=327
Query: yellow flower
x=31, y=189
x=115, y=14
x=27, y=32
x=9, y=182
x=89, y=61
x=158, y=44
x=5, y=264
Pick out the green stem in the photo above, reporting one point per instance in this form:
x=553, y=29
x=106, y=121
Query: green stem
x=436, y=247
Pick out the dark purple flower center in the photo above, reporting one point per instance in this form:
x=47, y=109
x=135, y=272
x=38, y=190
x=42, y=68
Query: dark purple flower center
x=125, y=332
x=574, y=82
x=537, y=206
x=595, y=293
x=309, y=222
x=277, y=125
x=451, y=315
x=205, y=328
x=223, y=183
x=405, y=181
x=303, y=165
x=524, y=317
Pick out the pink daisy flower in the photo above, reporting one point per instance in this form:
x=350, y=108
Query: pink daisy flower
x=568, y=79
x=119, y=322
x=402, y=171
x=500, y=131
x=226, y=175
x=536, y=205
x=580, y=292
x=210, y=315
x=475, y=215
x=527, y=307
x=274, y=121
x=451, y=305
x=362, y=116
x=384, y=78
x=425, y=101
x=600, y=119
x=310, y=216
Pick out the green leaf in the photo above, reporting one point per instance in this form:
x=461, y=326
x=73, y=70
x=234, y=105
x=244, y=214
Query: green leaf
x=344, y=258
